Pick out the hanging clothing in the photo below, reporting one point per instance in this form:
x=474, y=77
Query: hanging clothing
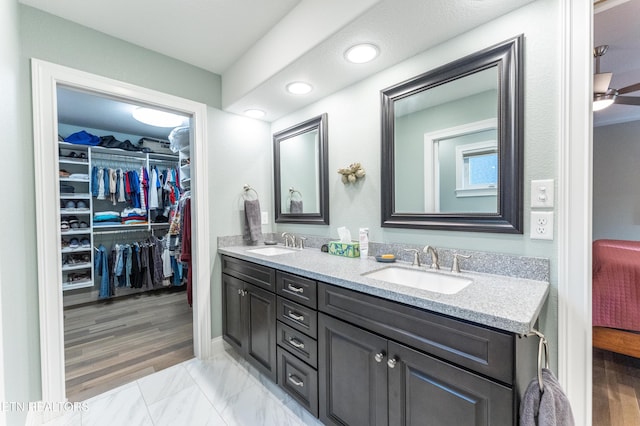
x=101, y=266
x=121, y=190
x=153, y=191
x=100, y=177
x=186, y=246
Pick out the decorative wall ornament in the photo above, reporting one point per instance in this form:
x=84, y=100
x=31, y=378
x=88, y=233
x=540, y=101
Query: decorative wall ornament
x=352, y=173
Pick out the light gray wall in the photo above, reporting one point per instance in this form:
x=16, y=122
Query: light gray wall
x=239, y=152
x=616, y=181
x=63, y=42
x=19, y=295
x=354, y=135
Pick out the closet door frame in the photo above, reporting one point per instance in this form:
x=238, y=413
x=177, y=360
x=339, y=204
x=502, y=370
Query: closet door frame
x=45, y=77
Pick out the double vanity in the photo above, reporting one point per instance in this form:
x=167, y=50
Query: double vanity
x=358, y=342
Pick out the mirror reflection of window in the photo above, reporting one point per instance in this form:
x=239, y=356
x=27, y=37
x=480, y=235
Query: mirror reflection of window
x=440, y=119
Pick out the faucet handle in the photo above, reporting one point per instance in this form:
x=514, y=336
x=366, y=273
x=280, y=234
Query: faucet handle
x=416, y=256
x=301, y=241
x=455, y=267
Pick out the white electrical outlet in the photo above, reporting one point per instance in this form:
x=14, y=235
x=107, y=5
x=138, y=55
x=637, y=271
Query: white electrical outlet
x=265, y=218
x=541, y=225
x=542, y=193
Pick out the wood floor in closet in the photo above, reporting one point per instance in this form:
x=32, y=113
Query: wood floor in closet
x=616, y=389
x=110, y=343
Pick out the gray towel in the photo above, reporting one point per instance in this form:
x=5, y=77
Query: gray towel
x=549, y=408
x=252, y=220
x=295, y=206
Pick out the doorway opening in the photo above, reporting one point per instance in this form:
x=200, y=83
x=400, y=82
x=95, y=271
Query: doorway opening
x=46, y=79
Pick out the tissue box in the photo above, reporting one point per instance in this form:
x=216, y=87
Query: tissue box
x=339, y=248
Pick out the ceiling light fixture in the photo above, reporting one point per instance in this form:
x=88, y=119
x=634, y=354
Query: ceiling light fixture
x=362, y=53
x=255, y=113
x=299, y=88
x=154, y=117
x=604, y=100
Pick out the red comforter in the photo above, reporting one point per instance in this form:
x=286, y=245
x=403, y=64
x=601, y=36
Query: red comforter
x=616, y=284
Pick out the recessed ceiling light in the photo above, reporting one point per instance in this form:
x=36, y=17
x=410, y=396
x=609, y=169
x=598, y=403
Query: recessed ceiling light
x=153, y=117
x=255, y=113
x=299, y=88
x=361, y=53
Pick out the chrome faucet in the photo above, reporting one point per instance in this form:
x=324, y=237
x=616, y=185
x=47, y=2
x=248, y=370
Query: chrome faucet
x=300, y=242
x=434, y=256
x=289, y=239
x=416, y=257
x=455, y=267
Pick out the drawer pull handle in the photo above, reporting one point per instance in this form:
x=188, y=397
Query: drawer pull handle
x=295, y=289
x=296, y=380
x=296, y=316
x=379, y=356
x=296, y=343
x=392, y=362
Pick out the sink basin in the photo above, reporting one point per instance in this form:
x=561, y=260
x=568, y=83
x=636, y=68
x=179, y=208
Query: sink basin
x=417, y=278
x=271, y=251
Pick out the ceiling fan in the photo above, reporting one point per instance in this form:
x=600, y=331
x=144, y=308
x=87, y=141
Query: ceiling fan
x=603, y=96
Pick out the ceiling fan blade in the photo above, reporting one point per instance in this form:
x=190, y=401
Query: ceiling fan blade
x=601, y=82
x=627, y=100
x=629, y=89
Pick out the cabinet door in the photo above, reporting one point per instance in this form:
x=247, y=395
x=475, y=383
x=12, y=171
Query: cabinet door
x=260, y=317
x=233, y=330
x=426, y=391
x=353, y=381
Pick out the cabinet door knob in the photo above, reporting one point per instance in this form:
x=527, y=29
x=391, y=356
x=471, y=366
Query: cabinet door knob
x=296, y=343
x=391, y=362
x=295, y=289
x=379, y=356
x=295, y=380
x=240, y=291
x=296, y=316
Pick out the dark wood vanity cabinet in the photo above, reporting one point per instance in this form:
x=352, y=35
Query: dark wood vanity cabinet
x=249, y=322
x=367, y=380
x=384, y=363
x=355, y=359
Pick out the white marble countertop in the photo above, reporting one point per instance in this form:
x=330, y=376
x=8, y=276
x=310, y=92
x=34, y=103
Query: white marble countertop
x=505, y=303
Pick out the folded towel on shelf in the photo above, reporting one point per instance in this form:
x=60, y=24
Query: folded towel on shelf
x=549, y=407
x=252, y=222
x=295, y=206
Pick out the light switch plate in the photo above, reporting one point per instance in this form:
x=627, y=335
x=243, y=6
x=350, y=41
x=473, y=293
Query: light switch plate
x=265, y=218
x=541, y=225
x=542, y=193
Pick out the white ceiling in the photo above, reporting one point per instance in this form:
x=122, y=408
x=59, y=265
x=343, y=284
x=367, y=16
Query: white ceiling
x=616, y=23
x=258, y=46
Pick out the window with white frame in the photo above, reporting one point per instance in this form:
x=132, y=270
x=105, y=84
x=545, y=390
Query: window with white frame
x=477, y=169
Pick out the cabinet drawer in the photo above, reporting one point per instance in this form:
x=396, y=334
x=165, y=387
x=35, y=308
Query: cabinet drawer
x=259, y=275
x=300, y=317
x=485, y=351
x=298, y=380
x=298, y=289
x=299, y=344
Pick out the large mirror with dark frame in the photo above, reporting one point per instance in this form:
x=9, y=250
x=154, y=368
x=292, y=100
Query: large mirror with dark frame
x=301, y=179
x=452, y=145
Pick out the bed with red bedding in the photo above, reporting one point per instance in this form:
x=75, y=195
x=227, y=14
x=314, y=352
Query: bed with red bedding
x=616, y=296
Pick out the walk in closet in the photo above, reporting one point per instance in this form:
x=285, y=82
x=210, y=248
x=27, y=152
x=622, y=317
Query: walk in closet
x=125, y=232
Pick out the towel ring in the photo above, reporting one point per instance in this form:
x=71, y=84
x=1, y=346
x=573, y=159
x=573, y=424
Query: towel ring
x=293, y=191
x=543, y=351
x=248, y=188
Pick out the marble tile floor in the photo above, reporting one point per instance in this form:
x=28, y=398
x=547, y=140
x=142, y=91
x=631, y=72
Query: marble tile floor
x=223, y=390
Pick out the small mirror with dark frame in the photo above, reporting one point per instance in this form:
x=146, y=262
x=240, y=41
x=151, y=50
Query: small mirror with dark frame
x=301, y=173
x=452, y=145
